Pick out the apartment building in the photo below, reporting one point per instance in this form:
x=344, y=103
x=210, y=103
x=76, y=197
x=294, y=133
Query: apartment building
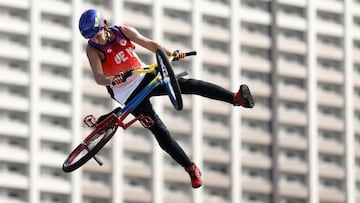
x=301, y=59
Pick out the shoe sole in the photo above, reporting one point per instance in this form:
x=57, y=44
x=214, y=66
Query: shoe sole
x=245, y=92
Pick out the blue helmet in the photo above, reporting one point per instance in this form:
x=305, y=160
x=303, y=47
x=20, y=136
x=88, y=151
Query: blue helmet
x=90, y=23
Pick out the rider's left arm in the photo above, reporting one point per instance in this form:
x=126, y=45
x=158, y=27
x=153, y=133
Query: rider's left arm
x=132, y=34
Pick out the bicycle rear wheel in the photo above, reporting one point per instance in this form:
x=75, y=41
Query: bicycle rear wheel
x=85, y=151
x=170, y=82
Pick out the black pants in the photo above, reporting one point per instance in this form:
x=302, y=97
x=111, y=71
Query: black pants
x=159, y=130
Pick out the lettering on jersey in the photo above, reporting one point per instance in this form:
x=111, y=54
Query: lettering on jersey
x=130, y=51
x=120, y=57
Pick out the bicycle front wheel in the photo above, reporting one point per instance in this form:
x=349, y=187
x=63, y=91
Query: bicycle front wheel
x=169, y=79
x=85, y=151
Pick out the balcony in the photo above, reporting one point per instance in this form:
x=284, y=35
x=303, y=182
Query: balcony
x=96, y=189
x=219, y=79
x=331, y=52
x=15, y=24
x=215, y=107
x=21, y=4
x=291, y=69
x=256, y=161
x=259, y=112
x=51, y=158
x=175, y=174
x=293, y=142
x=90, y=88
x=293, y=190
x=297, y=3
x=56, y=134
x=330, y=99
x=138, y=19
x=137, y=169
x=136, y=194
x=329, y=28
x=8, y=74
x=172, y=25
x=14, y=127
x=14, y=50
x=14, y=180
x=186, y=5
x=53, y=82
x=330, y=123
x=178, y=124
x=222, y=156
x=217, y=180
x=215, y=9
x=215, y=130
x=55, y=56
x=293, y=117
x=14, y=102
x=134, y=144
x=331, y=171
x=256, y=186
x=253, y=63
x=54, y=185
x=52, y=107
x=57, y=7
x=216, y=57
x=331, y=147
x=58, y=32
x=13, y=154
x=292, y=93
x=255, y=40
x=293, y=166
x=292, y=46
x=262, y=17
x=170, y=196
x=331, y=195
x=291, y=21
x=330, y=5
x=217, y=33
x=255, y=136
x=356, y=58
x=330, y=75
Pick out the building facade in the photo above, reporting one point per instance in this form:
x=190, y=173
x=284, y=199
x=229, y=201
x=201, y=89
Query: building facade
x=301, y=59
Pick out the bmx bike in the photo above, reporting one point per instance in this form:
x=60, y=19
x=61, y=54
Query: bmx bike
x=105, y=129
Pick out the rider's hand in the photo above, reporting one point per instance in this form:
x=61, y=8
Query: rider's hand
x=118, y=79
x=177, y=54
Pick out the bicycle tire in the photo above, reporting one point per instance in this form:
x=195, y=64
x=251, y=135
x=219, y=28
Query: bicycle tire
x=170, y=81
x=70, y=165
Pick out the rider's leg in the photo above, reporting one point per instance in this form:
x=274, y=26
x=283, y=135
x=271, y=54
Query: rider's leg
x=167, y=143
x=162, y=134
x=193, y=86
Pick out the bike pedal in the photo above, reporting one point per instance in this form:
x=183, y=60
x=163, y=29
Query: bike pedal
x=90, y=121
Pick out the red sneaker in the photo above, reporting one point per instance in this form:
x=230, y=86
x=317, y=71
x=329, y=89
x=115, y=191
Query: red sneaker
x=195, y=175
x=243, y=97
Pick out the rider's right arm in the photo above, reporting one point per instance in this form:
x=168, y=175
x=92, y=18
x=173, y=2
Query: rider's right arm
x=96, y=67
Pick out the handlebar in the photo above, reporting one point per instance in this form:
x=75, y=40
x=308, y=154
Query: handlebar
x=190, y=53
x=149, y=68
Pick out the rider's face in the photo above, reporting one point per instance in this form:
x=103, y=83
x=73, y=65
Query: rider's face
x=100, y=37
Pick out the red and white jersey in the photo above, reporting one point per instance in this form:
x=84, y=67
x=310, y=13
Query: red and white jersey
x=120, y=56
